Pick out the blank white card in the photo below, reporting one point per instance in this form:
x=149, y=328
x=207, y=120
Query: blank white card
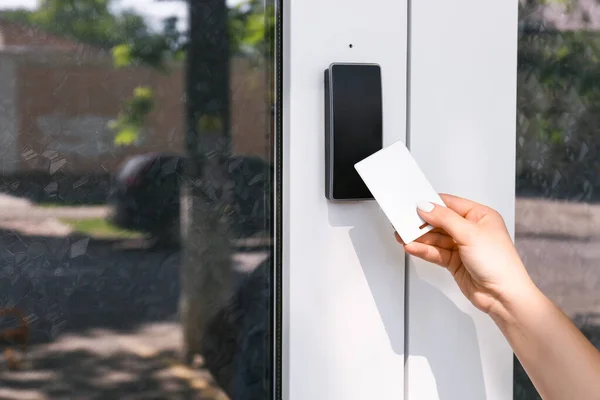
x=398, y=185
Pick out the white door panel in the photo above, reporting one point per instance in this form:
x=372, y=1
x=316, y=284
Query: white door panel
x=462, y=133
x=343, y=270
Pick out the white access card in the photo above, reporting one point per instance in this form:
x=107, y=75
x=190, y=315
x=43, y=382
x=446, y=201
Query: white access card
x=398, y=185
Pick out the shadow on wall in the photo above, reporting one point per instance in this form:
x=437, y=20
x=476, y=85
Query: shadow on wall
x=589, y=324
x=381, y=263
x=382, y=267
x=444, y=347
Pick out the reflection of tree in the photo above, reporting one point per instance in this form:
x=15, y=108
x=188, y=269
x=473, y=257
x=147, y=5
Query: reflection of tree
x=133, y=42
x=251, y=24
x=206, y=275
x=93, y=22
x=559, y=108
x=126, y=33
x=219, y=320
x=73, y=18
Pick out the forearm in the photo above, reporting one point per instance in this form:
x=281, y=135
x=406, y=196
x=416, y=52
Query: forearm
x=560, y=361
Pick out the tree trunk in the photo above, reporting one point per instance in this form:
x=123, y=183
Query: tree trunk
x=207, y=267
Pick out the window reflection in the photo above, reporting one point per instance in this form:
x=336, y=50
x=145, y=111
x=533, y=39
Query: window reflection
x=136, y=199
x=558, y=163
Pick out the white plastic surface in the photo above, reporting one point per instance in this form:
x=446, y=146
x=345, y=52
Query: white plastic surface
x=398, y=184
x=343, y=270
x=462, y=134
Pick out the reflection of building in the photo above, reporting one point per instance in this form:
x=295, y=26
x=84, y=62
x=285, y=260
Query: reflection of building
x=57, y=96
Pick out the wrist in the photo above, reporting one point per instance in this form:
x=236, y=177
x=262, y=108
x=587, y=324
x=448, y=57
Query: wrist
x=514, y=302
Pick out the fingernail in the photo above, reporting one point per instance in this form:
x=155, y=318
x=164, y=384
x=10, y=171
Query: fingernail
x=425, y=206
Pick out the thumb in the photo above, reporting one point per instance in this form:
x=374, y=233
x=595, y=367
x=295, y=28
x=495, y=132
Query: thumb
x=442, y=217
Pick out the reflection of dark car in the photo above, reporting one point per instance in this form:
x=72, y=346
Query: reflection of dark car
x=146, y=195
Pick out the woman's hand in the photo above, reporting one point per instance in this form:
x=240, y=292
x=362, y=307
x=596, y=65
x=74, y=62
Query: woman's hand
x=472, y=242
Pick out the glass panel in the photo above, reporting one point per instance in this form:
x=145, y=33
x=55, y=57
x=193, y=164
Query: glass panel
x=558, y=159
x=136, y=187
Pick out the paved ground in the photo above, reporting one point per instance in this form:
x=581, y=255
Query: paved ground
x=102, y=314
x=560, y=245
x=21, y=216
x=18, y=208
x=108, y=364
x=103, y=322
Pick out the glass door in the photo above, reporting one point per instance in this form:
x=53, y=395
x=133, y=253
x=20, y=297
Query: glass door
x=558, y=163
x=137, y=191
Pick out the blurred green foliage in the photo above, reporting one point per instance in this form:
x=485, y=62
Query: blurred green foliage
x=130, y=122
x=126, y=34
x=558, y=115
x=73, y=18
x=132, y=42
x=93, y=22
x=250, y=24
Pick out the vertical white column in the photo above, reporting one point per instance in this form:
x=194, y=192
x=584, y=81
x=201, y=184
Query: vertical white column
x=462, y=132
x=343, y=271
